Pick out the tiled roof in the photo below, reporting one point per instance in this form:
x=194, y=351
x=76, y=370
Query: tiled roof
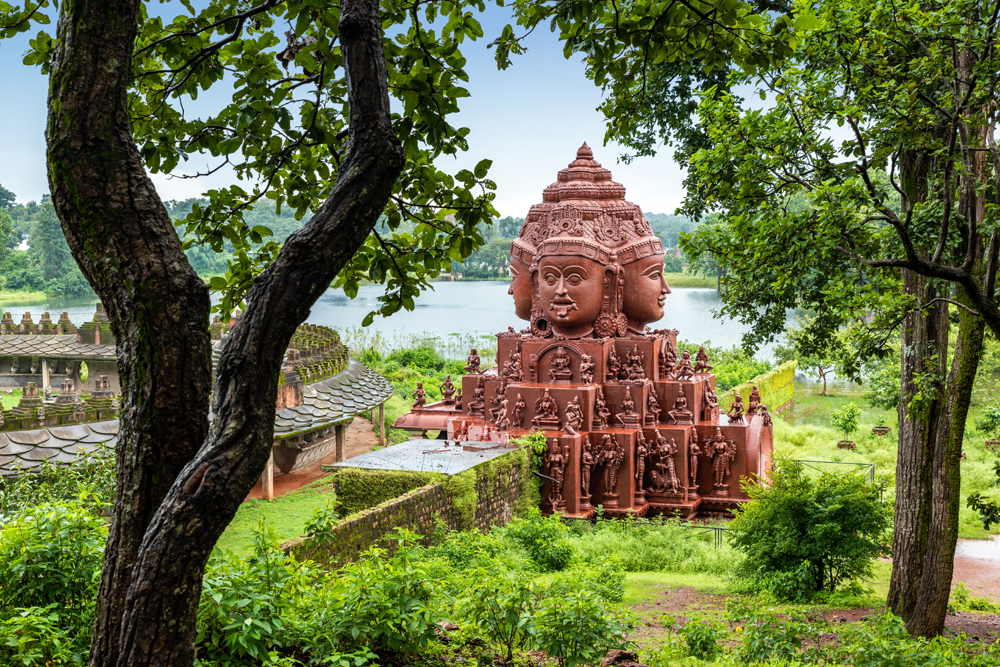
x=325, y=403
x=63, y=345
x=23, y=450
x=334, y=400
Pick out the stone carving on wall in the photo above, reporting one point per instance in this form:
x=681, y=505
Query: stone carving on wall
x=652, y=410
x=612, y=455
x=586, y=368
x=574, y=416
x=614, y=365
x=665, y=475
x=711, y=400
x=722, y=452
x=680, y=413
x=560, y=370
x=668, y=359
x=628, y=416
x=693, y=453
x=472, y=362
x=419, y=396
x=736, y=410
x=601, y=412
x=765, y=416
x=502, y=421
x=546, y=413
x=512, y=367
x=586, y=463
x=634, y=360
x=556, y=457
x=498, y=395
x=519, y=408
x=478, y=403
x=641, y=452
x=458, y=399
x=701, y=364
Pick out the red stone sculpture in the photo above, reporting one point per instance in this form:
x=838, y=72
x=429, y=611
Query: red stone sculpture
x=419, y=396
x=587, y=275
x=447, y=390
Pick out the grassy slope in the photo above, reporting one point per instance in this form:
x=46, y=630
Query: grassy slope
x=813, y=438
x=21, y=297
x=683, y=280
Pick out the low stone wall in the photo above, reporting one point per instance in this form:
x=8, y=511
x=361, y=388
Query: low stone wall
x=487, y=495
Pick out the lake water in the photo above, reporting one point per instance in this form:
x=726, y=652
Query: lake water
x=456, y=310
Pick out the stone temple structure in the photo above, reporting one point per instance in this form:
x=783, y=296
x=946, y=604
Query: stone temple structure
x=632, y=423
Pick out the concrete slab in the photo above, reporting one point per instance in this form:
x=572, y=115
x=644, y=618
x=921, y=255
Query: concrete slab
x=420, y=455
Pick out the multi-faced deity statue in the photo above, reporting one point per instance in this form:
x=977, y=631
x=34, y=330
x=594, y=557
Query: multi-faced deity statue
x=593, y=264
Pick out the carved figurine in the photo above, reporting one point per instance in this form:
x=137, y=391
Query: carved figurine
x=478, y=403
x=634, y=360
x=628, y=416
x=546, y=412
x=79, y=413
x=502, y=422
x=736, y=410
x=512, y=367
x=586, y=368
x=612, y=455
x=419, y=396
x=601, y=412
x=652, y=409
x=41, y=414
x=560, y=371
x=555, y=459
x=498, y=395
x=574, y=416
x=680, y=414
x=458, y=399
x=519, y=408
x=693, y=452
x=683, y=371
x=641, y=452
x=754, y=401
x=765, y=416
x=668, y=360
x=723, y=452
x=614, y=365
x=701, y=364
x=472, y=362
x=447, y=389
x=711, y=400
x=586, y=463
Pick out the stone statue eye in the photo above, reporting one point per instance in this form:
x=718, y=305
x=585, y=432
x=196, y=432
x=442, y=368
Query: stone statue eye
x=550, y=279
x=574, y=279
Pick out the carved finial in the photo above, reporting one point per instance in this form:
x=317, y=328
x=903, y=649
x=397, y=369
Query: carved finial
x=584, y=153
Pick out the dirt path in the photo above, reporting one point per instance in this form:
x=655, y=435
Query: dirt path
x=361, y=437
x=981, y=575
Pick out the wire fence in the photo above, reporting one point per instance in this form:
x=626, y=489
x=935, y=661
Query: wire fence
x=867, y=469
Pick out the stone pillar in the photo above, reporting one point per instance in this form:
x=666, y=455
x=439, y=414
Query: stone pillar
x=267, y=478
x=341, y=434
x=45, y=375
x=381, y=424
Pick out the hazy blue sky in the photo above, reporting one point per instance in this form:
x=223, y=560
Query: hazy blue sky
x=529, y=120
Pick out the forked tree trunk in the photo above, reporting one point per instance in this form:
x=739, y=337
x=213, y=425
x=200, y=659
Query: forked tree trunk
x=179, y=483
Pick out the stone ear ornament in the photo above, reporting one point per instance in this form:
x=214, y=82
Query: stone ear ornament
x=539, y=323
x=611, y=322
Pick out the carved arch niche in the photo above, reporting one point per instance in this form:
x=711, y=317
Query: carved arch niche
x=543, y=361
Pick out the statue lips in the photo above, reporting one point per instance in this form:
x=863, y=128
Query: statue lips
x=562, y=306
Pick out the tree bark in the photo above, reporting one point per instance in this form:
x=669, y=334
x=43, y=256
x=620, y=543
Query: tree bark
x=126, y=246
x=174, y=500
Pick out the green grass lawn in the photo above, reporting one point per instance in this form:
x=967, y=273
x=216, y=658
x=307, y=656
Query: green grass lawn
x=10, y=400
x=21, y=297
x=809, y=435
x=286, y=515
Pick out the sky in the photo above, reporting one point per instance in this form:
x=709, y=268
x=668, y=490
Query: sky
x=529, y=119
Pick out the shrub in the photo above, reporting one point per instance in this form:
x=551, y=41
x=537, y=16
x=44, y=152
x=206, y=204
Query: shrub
x=91, y=480
x=503, y=607
x=606, y=580
x=990, y=423
x=545, y=538
x=701, y=637
x=45, y=637
x=51, y=554
x=578, y=629
x=423, y=357
x=801, y=535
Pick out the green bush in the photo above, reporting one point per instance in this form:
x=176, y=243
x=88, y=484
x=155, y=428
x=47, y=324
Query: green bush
x=545, y=538
x=702, y=638
x=91, y=480
x=845, y=419
x=51, y=554
x=578, y=628
x=424, y=358
x=802, y=535
x=503, y=608
x=45, y=637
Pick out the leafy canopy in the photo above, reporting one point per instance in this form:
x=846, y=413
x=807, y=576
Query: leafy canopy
x=284, y=129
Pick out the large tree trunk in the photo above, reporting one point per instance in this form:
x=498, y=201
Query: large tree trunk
x=924, y=336
x=179, y=482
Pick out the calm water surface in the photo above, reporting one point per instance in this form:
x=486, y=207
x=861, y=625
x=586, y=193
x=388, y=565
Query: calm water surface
x=473, y=308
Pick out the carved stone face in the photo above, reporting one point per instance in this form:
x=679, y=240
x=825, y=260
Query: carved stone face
x=570, y=290
x=645, y=292
x=520, y=288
